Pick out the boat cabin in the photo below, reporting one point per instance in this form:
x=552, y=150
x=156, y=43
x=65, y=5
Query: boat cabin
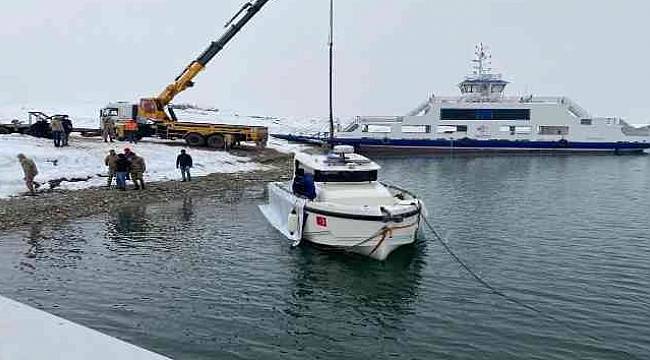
x=315, y=174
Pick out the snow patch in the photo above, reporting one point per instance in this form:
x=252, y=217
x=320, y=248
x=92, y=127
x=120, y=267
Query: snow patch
x=85, y=158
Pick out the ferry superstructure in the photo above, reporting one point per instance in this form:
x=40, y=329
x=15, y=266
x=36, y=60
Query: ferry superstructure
x=483, y=118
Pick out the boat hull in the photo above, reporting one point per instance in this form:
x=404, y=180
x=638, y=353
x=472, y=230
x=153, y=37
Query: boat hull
x=363, y=232
x=368, y=237
x=473, y=145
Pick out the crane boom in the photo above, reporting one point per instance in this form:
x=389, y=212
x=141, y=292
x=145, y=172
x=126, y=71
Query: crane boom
x=153, y=108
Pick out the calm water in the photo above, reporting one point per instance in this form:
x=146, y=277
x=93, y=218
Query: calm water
x=203, y=279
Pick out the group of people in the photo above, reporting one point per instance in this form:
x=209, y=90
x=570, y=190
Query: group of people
x=61, y=129
x=124, y=166
x=121, y=167
x=129, y=165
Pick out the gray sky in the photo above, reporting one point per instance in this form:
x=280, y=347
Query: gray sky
x=389, y=53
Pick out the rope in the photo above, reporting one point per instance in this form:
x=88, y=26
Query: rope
x=495, y=290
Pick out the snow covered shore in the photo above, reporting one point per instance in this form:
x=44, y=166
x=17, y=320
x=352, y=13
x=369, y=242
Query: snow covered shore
x=84, y=158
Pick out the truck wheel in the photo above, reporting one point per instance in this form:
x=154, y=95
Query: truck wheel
x=194, y=139
x=216, y=141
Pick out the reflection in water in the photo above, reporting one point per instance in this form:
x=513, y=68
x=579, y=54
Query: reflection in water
x=187, y=210
x=127, y=221
x=360, y=291
x=34, y=238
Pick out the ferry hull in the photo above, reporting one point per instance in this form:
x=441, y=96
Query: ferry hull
x=474, y=145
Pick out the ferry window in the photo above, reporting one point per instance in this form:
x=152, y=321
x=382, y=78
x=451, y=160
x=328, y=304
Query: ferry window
x=497, y=88
x=553, y=130
x=484, y=114
x=445, y=129
x=523, y=129
x=376, y=128
x=345, y=176
x=416, y=128
x=461, y=128
x=457, y=114
x=585, y=121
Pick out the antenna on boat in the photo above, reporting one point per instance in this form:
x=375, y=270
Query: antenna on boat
x=331, y=58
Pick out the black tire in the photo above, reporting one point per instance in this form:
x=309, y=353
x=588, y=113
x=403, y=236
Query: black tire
x=194, y=139
x=216, y=141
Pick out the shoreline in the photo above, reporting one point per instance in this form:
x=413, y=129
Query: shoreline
x=58, y=206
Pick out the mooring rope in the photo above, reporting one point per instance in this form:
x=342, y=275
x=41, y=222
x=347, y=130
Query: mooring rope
x=496, y=291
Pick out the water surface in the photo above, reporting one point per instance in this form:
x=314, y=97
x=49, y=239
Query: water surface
x=208, y=278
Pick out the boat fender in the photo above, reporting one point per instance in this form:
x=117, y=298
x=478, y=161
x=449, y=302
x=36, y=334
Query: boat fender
x=292, y=221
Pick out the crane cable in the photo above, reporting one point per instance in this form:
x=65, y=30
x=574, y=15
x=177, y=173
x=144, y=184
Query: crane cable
x=496, y=291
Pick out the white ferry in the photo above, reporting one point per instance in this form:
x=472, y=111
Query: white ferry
x=482, y=118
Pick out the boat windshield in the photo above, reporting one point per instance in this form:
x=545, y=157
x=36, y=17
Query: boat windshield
x=345, y=176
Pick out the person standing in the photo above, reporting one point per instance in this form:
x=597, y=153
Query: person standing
x=184, y=162
x=108, y=129
x=131, y=131
x=30, y=171
x=138, y=167
x=122, y=167
x=110, y=160
x=57, y=131
x=66, y=123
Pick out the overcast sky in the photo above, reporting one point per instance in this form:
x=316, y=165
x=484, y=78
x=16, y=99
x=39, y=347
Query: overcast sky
x=390, y=54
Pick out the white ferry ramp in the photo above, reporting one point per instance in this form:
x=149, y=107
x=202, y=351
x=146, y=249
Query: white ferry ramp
x=27, y=333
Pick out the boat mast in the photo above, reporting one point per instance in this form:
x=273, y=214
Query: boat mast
x=331, y=50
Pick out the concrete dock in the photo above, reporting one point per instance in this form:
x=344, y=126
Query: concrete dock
x=27, y=333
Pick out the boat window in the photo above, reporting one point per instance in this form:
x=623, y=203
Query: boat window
x=553, y=130
x=376, y=128
x=345, y=176
x=484, y=114
x=416, y=128
x=585, y=121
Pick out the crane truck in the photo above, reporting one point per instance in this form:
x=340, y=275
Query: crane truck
x=155, y=116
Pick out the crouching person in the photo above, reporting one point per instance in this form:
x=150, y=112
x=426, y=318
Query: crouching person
x=29, y=170
x=138, y=167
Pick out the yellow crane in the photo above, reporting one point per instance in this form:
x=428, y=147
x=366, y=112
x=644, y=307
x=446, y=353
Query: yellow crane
x=152, y=113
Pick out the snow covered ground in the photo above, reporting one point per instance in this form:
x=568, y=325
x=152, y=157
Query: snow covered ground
x=85, y=158
x=86, y=115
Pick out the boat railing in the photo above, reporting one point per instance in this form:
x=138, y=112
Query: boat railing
x=513, y=99
x=400, y=189
x=378, y=119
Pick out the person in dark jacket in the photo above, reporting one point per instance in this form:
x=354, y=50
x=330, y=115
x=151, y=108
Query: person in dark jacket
x=67, y=129
x=184, y=162
x=122, y=167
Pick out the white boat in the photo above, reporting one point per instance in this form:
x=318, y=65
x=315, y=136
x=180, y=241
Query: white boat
x=482, y=118
x=336, y=201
